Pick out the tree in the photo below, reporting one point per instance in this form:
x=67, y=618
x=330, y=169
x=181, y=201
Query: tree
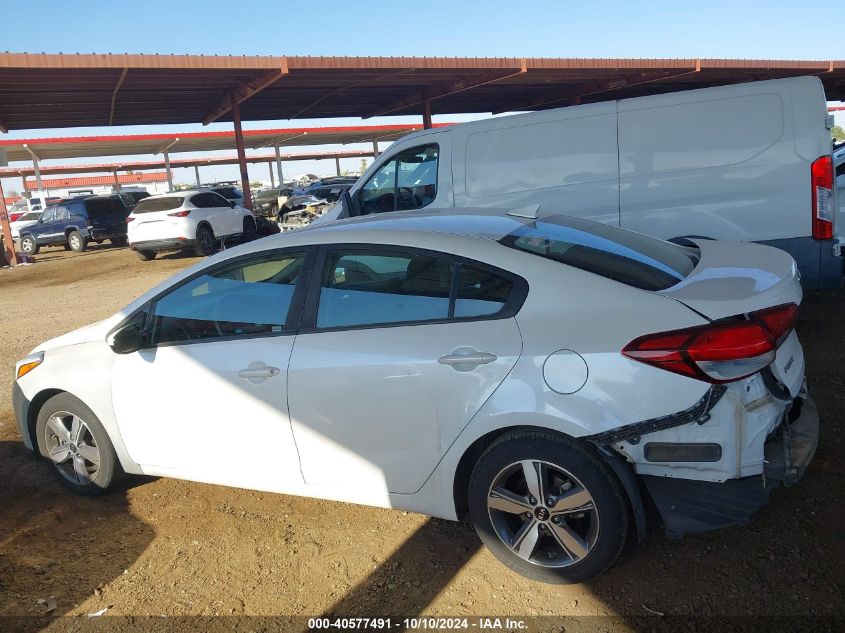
x=838, y=133
x=363, y=167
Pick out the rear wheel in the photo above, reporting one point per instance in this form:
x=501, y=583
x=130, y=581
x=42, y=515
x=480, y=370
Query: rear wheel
x=146, y=255
x=250, y=230
x=74, y=440
x=76, y=242
x=547, y=507
x=28, y=245
x=204, y=245
x=119, y=241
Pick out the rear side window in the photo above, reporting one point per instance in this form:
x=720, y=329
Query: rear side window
x=480, y=292
x=150, y=205
x=624, y=256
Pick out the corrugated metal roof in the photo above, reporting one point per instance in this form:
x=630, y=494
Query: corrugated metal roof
x=67, y=90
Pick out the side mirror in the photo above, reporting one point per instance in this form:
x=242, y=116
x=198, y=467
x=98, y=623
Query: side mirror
x=349, y=207
x=232, y=204
x=126, y=340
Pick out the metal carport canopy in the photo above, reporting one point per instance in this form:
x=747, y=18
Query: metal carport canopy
x=72, y=90
x=133, y=144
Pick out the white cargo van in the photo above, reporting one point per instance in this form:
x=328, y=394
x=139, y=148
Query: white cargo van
x=748, y=162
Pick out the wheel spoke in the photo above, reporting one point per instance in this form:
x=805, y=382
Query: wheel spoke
x=58, y=428
x=76, y=428
x=525, y=540
x=59, y=454
x=575, y=500
x=507, y=501
x=82, y=476
x=90, y=453
x=569, y=541
x=534, y=473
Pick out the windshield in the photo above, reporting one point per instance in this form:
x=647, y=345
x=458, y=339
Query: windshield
x=630, y=258
x=230, y=193
x=148, y=205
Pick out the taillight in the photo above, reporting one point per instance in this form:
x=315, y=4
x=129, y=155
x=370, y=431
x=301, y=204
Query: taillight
x=129, y=219
x=822, y=197
x=179, y=214
x=722, y=351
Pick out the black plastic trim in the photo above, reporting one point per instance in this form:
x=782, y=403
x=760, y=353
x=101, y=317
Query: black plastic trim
x=699, y=412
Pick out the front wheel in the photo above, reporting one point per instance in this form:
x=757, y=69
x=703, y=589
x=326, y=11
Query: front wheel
x=75, y=442
x=76, y=242
x=250, y=230
x=547, y=507
x=28, y=245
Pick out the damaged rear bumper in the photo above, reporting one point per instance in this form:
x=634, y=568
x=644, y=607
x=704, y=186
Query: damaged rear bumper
x=687, y=505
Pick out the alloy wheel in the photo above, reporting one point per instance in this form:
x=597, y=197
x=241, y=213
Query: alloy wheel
x=543, y=513
x=72, y=447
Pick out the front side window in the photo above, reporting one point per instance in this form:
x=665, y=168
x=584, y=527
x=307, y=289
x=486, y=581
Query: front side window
x=245, y=299
x=368, y=288
x=407, y=181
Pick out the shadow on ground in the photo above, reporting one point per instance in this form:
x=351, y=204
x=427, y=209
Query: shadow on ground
x=54, y=543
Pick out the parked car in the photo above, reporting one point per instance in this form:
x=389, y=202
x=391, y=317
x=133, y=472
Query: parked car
x=325, y=182
x=326, y=193
x=230, y=192
x=27, y=205
x=731, y=163
x=23, y=221
x=532, y=372
x=269, y=201
x=193, y=218
x=75, y=222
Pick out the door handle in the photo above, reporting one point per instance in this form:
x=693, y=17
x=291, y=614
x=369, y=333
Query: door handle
x=258, y=374
x=466, y=359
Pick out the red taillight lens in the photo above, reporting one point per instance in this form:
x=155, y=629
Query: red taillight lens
x=822, y=197
x=179, y=214
x=722, y=351
x=129, y=219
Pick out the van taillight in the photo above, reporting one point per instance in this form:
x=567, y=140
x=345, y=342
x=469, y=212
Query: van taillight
x=722, y=351
x=822, y=196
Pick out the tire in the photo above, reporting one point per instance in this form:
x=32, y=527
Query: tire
x=66, y=246
x=146, y=256
x=76, y=242
x=64, y=411
x=204, y=245
x=28, y=245
x=575, y=538
x=119, y=241
x=250, y=230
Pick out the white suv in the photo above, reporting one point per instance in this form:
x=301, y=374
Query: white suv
x=193, y=218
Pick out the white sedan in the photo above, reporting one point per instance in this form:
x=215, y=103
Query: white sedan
x=530, y=373
x=197, y=219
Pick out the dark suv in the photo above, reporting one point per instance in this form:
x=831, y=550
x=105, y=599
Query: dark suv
x=75, y=222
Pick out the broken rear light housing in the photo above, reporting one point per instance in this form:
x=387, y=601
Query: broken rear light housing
x=721, y=351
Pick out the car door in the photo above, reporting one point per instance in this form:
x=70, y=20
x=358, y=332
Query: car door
x=398, y=351
x=48, y=229
x=225, y=217
x=206, y=397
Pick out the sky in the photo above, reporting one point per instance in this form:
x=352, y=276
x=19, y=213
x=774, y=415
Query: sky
x=774, y=29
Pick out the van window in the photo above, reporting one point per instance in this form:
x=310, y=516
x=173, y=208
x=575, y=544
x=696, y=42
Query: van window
x=630, y=258
x=698, y=135
x=407, y=181
x=541, y=155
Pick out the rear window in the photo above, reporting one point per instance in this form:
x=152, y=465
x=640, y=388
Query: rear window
x=98, y=206
x=168, y=203
x=630, y=258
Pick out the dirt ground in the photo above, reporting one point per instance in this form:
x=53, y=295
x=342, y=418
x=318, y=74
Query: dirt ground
x=171, y=548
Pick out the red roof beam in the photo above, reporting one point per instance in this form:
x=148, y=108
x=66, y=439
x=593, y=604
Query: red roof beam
x=245, y=91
